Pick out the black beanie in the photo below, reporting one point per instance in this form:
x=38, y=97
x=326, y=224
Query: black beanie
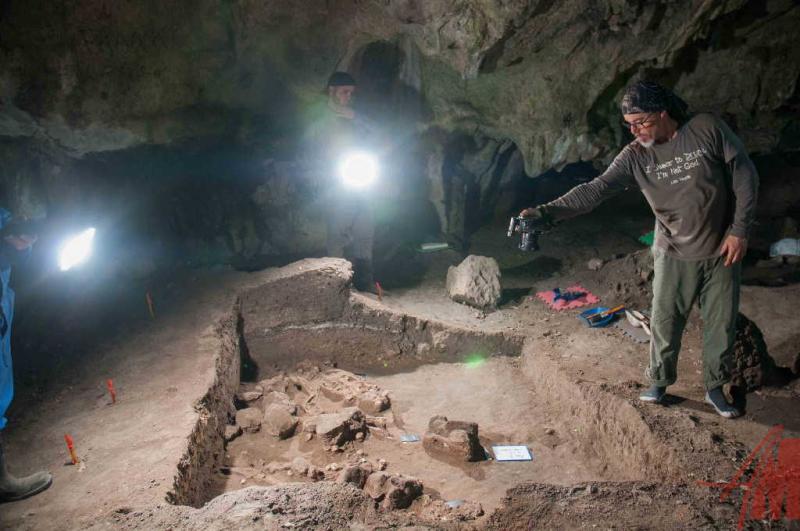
x=341, y=79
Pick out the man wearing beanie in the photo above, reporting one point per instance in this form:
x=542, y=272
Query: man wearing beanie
x=702, y=187
x=350, y=220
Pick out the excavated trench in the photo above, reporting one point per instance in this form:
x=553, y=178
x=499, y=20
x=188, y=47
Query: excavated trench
x=299, y=331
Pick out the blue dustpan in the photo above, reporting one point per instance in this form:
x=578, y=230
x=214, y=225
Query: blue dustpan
x=586, y=317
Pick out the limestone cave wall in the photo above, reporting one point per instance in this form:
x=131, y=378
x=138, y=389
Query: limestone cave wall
x=185, y=117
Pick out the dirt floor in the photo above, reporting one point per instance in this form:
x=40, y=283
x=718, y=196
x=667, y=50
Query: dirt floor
x=601, y=459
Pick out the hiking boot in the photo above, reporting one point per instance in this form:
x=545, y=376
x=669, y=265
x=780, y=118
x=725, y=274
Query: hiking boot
x=716, y=398
x=14, y=488
x=655, y=394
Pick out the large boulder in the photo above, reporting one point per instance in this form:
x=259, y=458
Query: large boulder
x=279, y=421
x=475, y=281
x=453, y=440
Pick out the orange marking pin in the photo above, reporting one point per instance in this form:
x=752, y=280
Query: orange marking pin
x=71, y=448
x=110, y=385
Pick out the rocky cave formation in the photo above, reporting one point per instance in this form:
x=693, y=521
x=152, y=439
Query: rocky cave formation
x=179, y=124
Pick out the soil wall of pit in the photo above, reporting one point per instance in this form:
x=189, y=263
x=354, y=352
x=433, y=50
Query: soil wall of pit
x=305, y=312
x=313, y=316
x=205, y=446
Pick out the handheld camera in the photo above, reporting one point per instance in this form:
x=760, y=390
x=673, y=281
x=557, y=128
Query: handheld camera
x=529, y=234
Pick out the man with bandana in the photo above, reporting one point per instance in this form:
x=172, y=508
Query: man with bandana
x=702, y=187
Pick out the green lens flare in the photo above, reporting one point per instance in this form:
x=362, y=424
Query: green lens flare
x=475, y=360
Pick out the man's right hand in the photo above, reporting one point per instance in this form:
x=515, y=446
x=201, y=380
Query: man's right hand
x=540, y=216
x=537, y=212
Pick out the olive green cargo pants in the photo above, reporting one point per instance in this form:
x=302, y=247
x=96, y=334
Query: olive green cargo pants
x=676, y=285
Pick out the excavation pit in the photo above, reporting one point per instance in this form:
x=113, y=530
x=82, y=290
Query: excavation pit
x=577, y=435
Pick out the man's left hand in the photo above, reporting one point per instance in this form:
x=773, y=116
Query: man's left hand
x=734, y=249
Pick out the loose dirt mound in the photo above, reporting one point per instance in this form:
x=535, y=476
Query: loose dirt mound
x=316, y=506
x=753, y=366
x=611, y=506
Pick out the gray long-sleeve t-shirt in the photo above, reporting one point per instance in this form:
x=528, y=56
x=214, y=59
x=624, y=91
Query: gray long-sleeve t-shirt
x=701, y=186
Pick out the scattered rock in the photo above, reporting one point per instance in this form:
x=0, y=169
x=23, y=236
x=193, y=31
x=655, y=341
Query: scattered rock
x=360, y=436
x=315, y=473
x=300, y=466
x=392, y=491
x=373, y=401
x=278, y=383
x=339, y=428
x=249, y=393
x=382, y=464
x=279, y=422
x=280, y=399
x=475, y=281
x=231, y=432
x=248, y=397
x=249, y=419
x=343, y=386
x=453, y=510
x=453, y=439
x=275, y=467
x=355, y=474
x=377, y=422
x=595, y=264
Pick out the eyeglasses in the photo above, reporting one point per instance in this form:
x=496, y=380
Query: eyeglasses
x=646, y=122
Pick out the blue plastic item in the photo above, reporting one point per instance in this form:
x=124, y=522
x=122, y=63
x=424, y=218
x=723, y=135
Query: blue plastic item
x=567, y=295
x=585, y=316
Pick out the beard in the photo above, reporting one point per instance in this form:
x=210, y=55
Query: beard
x=645, y=143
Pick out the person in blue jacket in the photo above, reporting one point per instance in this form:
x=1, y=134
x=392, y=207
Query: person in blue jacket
x=12, y=249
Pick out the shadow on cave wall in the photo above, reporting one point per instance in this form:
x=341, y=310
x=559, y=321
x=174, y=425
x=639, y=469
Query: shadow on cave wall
x=388, y=77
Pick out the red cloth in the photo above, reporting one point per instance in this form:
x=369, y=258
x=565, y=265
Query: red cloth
x=585, y=300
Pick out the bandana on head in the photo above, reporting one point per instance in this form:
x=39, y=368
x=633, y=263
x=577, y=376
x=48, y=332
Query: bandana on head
x=647, y=96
